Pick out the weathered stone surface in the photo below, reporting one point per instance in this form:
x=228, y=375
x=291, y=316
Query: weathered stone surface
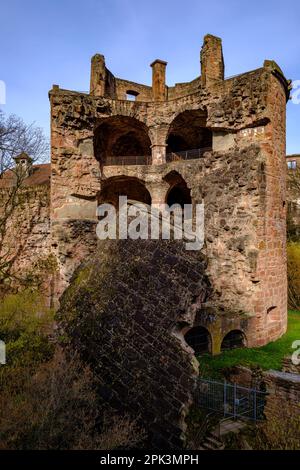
x=289, y=366
x=25, y=242
x=242, y=182
x=284, y=390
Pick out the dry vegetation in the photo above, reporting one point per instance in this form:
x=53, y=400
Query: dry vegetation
x=48, y=397
x=293, y=259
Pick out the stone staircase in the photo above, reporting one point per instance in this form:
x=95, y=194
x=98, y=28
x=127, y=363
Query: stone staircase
x=211, y=442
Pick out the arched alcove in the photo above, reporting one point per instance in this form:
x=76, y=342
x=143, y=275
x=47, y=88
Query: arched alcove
x=199, y=339
x=131, y=187
x=233, y=340
x=188, y=133
x=122, y=140
x=178, y=193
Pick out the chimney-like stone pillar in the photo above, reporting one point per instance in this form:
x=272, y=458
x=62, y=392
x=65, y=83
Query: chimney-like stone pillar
x=159, y=80
x=158, y=144
x=98, y=75
x=23, y=165
x=212, y=62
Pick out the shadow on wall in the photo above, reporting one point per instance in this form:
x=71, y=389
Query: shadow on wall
x=114, y=187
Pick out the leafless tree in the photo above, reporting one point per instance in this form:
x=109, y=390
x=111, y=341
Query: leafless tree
x=293, y=209
x=293, y=181
x=15, y=137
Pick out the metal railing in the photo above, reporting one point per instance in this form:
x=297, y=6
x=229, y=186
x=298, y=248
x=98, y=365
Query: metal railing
x=187, y=154
x=128, y=160
x=146, y=159
x=231, y=400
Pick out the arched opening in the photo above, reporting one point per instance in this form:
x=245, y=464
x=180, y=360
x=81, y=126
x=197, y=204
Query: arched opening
x=199, y=339
x=179, y=193
x=117, y=186
x=122, y=140
x=233, y=340
x=188, y=136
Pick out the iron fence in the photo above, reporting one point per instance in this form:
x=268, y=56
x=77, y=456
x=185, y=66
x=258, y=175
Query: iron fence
x=187, y=154
x=146, y=159
x=230, y=400
x=128, y=160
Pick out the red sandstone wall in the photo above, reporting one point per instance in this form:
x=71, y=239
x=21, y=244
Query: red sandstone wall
x=27, y=235
x=271, y=302
x=242, y=184
x=122, y=86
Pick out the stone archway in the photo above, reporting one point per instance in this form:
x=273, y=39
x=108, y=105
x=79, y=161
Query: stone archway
x=233, y=339
x=178, y=192
x=188, y=132
x=199, y=339
x=131, y=187
x=122, y=140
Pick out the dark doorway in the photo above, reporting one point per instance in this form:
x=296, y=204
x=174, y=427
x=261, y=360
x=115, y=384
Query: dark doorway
x=233, y=340
x=199, y=339
x=179, y=193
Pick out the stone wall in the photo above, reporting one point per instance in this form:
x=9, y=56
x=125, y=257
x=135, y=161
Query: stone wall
x=72, y=241
x=280, y=427
x=232, y=206
x=284, y=395
x=282, y=389
x=183, y=89
x=143, y=92
x=26, y=241
x=288, y=366
x=293, y=200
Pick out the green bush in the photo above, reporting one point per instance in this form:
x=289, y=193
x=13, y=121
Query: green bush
x=25, y=327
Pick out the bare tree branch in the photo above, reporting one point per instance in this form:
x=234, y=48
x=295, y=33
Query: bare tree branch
x=16, y=137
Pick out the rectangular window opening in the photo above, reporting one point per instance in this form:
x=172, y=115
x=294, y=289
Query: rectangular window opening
x=131, y=95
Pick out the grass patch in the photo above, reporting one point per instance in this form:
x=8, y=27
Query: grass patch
x=269, y=356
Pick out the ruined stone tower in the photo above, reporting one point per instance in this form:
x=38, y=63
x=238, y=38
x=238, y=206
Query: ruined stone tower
x=217, y=140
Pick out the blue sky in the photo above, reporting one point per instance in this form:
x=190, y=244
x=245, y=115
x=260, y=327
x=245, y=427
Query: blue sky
x=51, y=42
